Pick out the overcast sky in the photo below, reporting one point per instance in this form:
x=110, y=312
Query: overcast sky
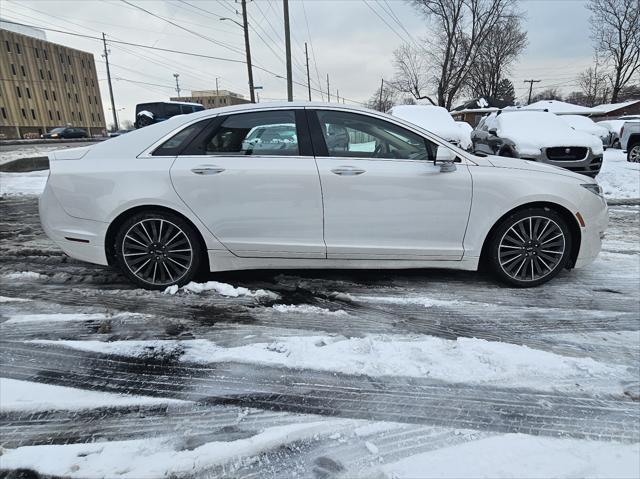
x=350, y=40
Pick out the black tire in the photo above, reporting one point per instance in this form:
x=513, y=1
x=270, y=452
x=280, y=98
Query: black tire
x=156, y=249
x=633, y=153
x=526, y=260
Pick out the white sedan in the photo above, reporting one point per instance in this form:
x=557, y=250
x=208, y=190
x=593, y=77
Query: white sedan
x=329, y=186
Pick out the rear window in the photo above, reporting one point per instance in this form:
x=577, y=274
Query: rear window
x=174, y=145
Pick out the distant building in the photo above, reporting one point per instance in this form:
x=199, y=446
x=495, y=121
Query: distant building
x=44, y=85
x=614, y=110
x=472, y=111
x=213, y=98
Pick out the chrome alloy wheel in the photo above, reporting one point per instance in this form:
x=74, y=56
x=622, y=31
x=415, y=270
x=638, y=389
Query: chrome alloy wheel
x=634, y=154
x=157, y=252
x=532, y=248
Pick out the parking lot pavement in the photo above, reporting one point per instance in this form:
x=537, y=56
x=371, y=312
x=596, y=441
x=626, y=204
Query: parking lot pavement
x=317, y=374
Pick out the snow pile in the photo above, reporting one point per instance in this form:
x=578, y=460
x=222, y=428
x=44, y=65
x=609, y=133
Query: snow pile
x=619, y=178
x=465, y=360
x=224, y=289
x=31, y=183
x=522, y=456
x=159, y=457
x=307, y=309
x=24, y=275
x=24, y=395
x=7, y=299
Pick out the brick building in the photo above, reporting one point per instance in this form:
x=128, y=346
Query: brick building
x=44, y=85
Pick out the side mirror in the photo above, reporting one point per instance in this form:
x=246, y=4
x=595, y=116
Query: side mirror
x=446, y=158
x=493, y=131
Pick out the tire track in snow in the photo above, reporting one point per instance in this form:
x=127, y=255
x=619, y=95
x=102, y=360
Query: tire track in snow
x=407, y=400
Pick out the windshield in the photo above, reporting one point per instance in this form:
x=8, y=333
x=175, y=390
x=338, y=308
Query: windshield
x=57, y=130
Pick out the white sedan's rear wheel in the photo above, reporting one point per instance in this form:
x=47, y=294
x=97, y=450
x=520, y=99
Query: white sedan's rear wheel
x=634, y=154
x=158, y=249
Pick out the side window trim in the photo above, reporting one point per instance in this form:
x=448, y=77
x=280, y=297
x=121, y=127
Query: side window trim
x=190, y=148
x=317, y=138
x=179, y=150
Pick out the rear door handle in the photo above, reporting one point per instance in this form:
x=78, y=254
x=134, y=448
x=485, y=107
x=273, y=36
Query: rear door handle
x=207, y=170
x=347, y=171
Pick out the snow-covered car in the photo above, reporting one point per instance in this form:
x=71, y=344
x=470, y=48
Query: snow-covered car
x=615, y=130
x=587, y=125
x=164, y=202
x=150, y=113
x=630, y=140
x=538, y=136
x=435, y=119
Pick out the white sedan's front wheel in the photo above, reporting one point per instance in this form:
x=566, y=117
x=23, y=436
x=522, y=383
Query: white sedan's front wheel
x=158, y=249
x=530, y=247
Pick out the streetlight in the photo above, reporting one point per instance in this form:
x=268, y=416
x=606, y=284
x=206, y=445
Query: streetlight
x=247, y=48
x=117, y=117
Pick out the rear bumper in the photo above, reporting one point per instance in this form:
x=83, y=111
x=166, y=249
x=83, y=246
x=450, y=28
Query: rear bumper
x=80, y=239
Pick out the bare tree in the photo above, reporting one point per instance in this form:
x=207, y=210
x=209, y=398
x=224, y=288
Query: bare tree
x=594, y=85
x=615, y=28
x=460, y=30
x=411, y=72
x=504, y=43
x=383, y=102
x=548, y=94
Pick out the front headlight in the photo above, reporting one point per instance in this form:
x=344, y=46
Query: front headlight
x=593, y=188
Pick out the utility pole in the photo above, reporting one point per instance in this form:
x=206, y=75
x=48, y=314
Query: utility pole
x=176, y=75
x=247, y=48
x=287, y=48
x=113, y=103
x=306, y=55
x=217, y=90
x=531, y=82
x=328, y=91
x=380, y=101
x=337, y=96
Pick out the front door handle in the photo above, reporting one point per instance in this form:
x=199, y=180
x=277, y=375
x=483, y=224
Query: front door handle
x=347, y=171
x=207, y=170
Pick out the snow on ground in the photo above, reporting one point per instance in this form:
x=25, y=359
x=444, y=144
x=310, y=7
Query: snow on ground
x=8, y=299
x=223, y=289
x=28, y=275
x=307, y=309
x=30, y=151
x=464, y=360
x=522, y=456
x=57, y=317
x=18, y=395
x=619, y=178
x=31, y=183
x=159, y=457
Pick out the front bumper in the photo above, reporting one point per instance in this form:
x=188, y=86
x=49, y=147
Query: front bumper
x=589, y=165
x=80, y=239
x=596, y=218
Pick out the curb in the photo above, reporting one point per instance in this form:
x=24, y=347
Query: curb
x=50, y=142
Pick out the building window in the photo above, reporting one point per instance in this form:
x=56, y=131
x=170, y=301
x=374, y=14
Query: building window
x=8, y=46
x=98, y=116
x=68, y=96
x=24, y=73
x=13, y=69
x=77, y=98
x=93, y=117
x=18, y=92
x=24, y=113
x=33, y=114
x=50, y=115
x=64, y=75
x=54, y=96
x=80, y=115
x=73, y=79
x=41, y=74
x=61, y=58
x=89, y=97
x=18, y=48
x=37, y=52
x=96, y=99
x=92, y=84
x=58, y=115
x=50, y=77
x=82, y=63
x=86, y=82
x=28, y=92
x=46, y=95
x=68, y=59
x=46, y=55
x=4, y=112
x=73, y=115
